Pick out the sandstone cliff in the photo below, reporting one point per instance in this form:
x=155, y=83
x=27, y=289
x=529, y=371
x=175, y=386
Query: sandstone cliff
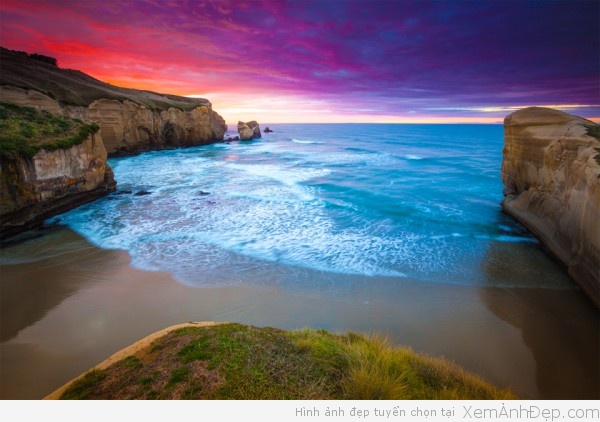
x=131, y=121
x=129, y=128
x=551, y=174
x=35, y=188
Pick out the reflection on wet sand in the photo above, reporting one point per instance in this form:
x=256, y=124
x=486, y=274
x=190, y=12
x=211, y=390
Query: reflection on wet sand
x=561, y=327
x=28, y=292
x=101, y=304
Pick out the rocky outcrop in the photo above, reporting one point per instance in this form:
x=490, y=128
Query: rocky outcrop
x=551, y=175
x=130, y=121
x=268, y=130
x=129, y=128
x=51, y=182
x=249, y=130
x=30, y=98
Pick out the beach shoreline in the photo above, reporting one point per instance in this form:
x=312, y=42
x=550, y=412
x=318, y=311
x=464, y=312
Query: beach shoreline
x=73, y=304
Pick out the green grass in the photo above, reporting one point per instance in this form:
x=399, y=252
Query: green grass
x=178, y=375
x=593, y=131
x=131, y=362
x=26, y=130
x=84, y=387
x=233, y=361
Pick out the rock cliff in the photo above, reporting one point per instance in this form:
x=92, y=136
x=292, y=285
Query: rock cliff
x=38, y=183
x=35, y=188
x=249, y=130
x=129, y=128
x=551, y=175
x=131, y=121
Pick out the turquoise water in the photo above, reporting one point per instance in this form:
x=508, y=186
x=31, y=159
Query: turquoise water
x=418, y=201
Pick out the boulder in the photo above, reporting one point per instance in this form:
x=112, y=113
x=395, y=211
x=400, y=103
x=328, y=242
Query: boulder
x=249, y=130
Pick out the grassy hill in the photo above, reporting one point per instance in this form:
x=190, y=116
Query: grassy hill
x=72, y=87
x=234, y=361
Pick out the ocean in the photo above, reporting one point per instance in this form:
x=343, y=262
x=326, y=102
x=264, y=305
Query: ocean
x=419, y=201
x=373, y=227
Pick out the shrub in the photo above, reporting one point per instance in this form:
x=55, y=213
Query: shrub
x=25, y=130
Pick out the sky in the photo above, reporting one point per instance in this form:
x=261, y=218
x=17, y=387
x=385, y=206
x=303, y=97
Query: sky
x=330, y=60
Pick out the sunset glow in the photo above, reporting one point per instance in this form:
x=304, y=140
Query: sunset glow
x=329, y=61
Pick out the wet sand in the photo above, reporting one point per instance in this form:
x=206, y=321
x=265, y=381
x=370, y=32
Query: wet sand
x=66, y=305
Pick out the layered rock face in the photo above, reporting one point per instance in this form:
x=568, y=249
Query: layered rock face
x=30, y=98
x=551, y=175
x=35, y=188
x=249, y=130
x=129, y=128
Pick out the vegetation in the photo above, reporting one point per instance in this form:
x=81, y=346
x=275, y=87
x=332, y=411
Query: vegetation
x=233, y=361
x=593, y=131
x=25, y=130
x=38, y=57
x=45, y=59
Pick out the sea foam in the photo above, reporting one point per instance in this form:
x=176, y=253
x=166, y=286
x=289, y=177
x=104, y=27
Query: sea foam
x=347, y=204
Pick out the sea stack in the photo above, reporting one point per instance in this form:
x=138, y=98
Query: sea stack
x=551, y=175
x=249, y=130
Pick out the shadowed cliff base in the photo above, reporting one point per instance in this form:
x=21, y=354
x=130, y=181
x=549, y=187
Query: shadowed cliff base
x=550, y=321
x=551, y=174
x=538, y=314
x=23, y=303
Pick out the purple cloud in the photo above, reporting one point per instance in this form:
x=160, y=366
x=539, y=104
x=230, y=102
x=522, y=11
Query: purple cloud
x=401, y=58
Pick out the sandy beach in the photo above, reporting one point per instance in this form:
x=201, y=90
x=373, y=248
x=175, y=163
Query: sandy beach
x=72, y=305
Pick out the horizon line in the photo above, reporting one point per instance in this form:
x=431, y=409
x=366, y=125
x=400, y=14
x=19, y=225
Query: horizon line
x=595, y=120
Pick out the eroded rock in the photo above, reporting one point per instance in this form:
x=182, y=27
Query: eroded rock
x=551, y=175
x=33, y=189
x=249, y=130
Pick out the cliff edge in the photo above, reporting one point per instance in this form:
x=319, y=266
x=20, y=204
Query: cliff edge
x=131, y=120
x=551, y=175
x=48, y=165
x=57, y=127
